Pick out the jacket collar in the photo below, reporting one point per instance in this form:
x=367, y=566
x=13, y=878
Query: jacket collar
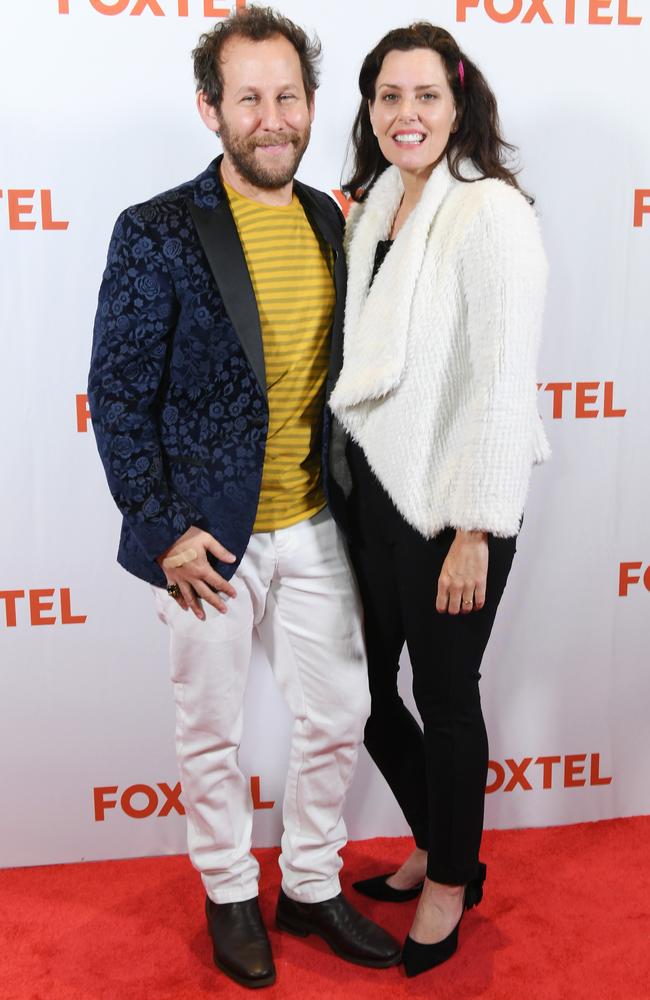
x=377, y=319
x=217, y=232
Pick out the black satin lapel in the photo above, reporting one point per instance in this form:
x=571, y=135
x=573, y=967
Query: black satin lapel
x=218, y=235
x=325, y=223
x=331, y=232
x=336, y=347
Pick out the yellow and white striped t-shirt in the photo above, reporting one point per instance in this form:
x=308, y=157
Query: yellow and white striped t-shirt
x=293, y=284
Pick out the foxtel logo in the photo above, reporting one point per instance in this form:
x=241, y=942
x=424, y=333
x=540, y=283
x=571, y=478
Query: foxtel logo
x=552, y=11
x=143, y=801
x=159, y=8
x=44, y=606
x=587, y=399
x=83, y=412
x=629, y=574
x=21, y=207
x=641, y=206
x=570, y=771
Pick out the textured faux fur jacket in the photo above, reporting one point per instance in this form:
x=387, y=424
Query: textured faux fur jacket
x=438, y=379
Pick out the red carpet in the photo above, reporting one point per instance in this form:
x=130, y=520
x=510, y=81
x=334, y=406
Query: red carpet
x=566, y=916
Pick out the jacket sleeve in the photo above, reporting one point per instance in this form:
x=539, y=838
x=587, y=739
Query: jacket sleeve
x=135, y=319
x=503, y=282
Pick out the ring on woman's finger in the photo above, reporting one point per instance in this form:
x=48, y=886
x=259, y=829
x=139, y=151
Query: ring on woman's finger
x=174, y=590
x=468, y=604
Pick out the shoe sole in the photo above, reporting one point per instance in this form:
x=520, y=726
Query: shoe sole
x=252, y=984
x=368, y=963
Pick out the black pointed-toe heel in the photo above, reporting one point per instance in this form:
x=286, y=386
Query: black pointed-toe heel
x=418, y=957
x=378, y=888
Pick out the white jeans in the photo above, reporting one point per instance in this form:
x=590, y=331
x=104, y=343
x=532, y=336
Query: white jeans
x=295, y=588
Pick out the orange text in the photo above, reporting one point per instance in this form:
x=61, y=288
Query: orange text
x=43, y=606
x=629, y=574
x=571, y=771
x=142, y=801
x=21, y=209
x=586, y=400
x=552, y=11
x=159, y=8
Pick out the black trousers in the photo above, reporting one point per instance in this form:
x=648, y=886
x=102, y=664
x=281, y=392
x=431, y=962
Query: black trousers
x=438, y=775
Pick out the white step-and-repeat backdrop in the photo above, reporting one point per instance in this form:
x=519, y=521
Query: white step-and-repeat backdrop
x=97, y=112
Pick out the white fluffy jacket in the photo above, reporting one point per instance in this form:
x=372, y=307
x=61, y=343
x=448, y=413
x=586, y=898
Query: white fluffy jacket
x=438, y=379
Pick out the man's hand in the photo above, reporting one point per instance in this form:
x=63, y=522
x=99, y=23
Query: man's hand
x=186, y=564
x=463, y=577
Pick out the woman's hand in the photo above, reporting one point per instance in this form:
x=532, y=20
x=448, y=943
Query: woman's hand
x=462, y=580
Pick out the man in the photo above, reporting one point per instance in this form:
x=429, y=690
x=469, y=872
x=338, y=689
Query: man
x=217, y=338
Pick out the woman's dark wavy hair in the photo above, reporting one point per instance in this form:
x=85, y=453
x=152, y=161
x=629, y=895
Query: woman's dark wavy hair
x=478, y=136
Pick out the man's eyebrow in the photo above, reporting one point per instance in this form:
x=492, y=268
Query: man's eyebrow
x=252, y=88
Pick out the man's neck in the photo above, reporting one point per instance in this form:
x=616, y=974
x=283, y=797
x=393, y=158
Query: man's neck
x=267, y=196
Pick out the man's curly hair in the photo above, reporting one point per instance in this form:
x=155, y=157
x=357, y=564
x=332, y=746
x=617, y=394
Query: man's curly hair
x=256, y=24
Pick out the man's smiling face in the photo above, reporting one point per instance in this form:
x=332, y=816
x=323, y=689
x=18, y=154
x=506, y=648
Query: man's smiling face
x=264, y=117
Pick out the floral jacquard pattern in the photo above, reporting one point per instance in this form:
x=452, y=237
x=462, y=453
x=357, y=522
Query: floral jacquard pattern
x=178, y=414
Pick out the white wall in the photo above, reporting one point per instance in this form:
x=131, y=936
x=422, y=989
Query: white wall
x=98, y=109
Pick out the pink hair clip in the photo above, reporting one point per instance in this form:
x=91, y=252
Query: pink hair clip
x=461, y=72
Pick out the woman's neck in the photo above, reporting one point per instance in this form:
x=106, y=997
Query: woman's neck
x=414, y=184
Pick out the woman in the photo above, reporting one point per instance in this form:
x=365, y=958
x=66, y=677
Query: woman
x=437, y=393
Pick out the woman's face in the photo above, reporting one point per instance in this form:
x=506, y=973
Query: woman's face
x=413, y=113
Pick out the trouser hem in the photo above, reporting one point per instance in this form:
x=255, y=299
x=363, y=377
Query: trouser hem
x=447, y=876
x=319, y=893
x=239, y=894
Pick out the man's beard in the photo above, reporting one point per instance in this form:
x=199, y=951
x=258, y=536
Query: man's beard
x=272, y=176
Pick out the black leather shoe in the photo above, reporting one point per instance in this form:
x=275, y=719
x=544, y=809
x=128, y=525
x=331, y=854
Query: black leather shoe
x=378, y=888
x=418, y=957
x=349, y=934
x=241, y=945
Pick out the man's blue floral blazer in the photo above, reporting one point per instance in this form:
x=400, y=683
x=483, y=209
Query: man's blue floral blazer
x=177, y=388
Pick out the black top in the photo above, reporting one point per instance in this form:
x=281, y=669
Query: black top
x=380, y=255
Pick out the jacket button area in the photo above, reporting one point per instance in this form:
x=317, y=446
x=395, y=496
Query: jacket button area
x=257, y=421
